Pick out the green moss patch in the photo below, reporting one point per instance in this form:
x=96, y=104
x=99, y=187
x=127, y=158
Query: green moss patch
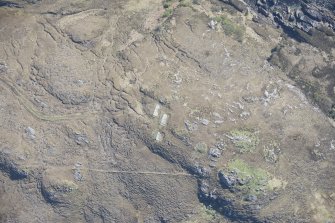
x=244, y=140
x=231, y=28
x=201, y=147
x=251, y=180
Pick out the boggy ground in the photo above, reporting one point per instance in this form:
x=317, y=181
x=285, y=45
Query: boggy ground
x=126, y=111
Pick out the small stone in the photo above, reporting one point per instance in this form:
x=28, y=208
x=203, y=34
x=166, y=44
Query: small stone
x=80, y=139
x=212, y=165
x=263, y=11
x=214, y=152
x=317, y=155
x=77, y=175
x=291, y=18
x=256, y=207
x=164, y=120
x=251, y=198
x=212, y=24
x=332, y=145
x=244, y=114
x=217, y=115
x=260, y=3
x=220, y=145
x=79, y=82
x=250, y=99
x=159, y=137
x=30, y=132
x=3, y=67
x=156, y=111
x=191, y=126
x=204, y=188
x=205, y=121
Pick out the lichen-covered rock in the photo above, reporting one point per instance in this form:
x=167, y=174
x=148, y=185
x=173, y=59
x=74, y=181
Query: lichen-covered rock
x=227, y=180
x=214, y=152
x=202, y=172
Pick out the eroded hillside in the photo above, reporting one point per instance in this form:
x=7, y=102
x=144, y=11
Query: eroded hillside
x=164, y=111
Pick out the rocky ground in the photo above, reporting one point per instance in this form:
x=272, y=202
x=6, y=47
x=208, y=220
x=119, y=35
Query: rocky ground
x=167, y=111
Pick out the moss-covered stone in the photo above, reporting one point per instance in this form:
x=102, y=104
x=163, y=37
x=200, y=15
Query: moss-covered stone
x=201, y=147
x=244, y=140
x=250, y=180
x=271, y=152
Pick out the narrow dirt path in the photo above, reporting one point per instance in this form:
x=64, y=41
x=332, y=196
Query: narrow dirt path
x=113, y=170
x=136, y=172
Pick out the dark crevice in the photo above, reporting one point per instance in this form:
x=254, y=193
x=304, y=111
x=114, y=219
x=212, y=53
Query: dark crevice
x=9, y=4
x=10, y=168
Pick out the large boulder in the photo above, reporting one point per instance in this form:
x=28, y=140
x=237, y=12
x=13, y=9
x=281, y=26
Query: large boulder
x=227, y=180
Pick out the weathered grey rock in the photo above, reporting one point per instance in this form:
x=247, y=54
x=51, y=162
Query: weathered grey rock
x=251, y=198
x=304, y=26
x=205, y=121
x=312, y=13
x=298, y=14
x=202, y=171
x=212, y=24
x=220, y=145
x=261, y=3
x=212, y=165
x=77, y=175
x=308, y=20
x=214, y=152
x=263, y=11
x=191, y=126
x=204, y=188
x=164, y=120
x=80, y=138
x=279, y=16
x=30, y=132
x=227, y=180
x=291, y=18
x=3, y=67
